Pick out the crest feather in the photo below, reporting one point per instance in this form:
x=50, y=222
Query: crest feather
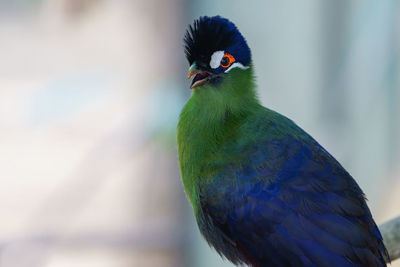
x=207, y=35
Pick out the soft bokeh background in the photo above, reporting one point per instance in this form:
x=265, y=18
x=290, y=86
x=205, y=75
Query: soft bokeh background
x=90, y=92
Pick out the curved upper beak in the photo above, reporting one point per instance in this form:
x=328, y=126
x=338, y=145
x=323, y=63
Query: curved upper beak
x=200, y=76
x=193, y=70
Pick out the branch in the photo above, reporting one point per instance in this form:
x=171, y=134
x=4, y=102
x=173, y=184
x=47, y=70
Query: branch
x=391, y=237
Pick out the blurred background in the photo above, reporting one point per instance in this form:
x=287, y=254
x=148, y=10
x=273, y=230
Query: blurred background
x=91, y=90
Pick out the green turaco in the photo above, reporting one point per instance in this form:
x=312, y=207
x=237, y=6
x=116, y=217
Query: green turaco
x=263, y=191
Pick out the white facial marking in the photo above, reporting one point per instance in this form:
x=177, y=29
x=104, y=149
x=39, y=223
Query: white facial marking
x=216, y=59
x=236, y=65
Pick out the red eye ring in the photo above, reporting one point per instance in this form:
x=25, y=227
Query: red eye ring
x=227, y=60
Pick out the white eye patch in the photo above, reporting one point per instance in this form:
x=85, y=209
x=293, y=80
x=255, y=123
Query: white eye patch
x=236, y=65
x=216, y=59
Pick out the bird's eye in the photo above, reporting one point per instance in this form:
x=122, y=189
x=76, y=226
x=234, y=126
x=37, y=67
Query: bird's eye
x=227, y=60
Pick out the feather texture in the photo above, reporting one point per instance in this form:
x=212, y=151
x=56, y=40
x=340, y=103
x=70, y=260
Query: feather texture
x=289, y=203
x=263, y=191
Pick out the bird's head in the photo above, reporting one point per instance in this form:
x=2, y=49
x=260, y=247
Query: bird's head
x=215, y=50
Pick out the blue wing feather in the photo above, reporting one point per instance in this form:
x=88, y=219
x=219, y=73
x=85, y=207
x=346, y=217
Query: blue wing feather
x=289, y=204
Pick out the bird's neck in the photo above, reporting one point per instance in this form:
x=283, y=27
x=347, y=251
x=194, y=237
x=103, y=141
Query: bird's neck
x=210, y=119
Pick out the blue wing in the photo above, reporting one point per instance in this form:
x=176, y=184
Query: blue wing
x=290, y=204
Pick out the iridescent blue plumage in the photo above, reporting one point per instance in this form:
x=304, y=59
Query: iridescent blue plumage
x=264, y=192
x=290, y=204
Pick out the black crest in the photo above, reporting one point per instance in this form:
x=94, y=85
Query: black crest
x=207, y=35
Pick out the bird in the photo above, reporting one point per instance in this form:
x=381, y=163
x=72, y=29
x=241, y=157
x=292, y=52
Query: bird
x=263, y=191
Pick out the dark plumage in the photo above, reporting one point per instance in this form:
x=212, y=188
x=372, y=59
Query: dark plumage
x=210, y=34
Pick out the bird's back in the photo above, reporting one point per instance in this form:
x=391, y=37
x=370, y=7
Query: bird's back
x=276, y=198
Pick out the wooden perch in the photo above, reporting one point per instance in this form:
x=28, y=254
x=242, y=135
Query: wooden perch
x=391, y=237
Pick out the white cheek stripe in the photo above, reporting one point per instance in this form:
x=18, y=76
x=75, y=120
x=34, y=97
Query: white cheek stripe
x=216, y=59
x=236, y=65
